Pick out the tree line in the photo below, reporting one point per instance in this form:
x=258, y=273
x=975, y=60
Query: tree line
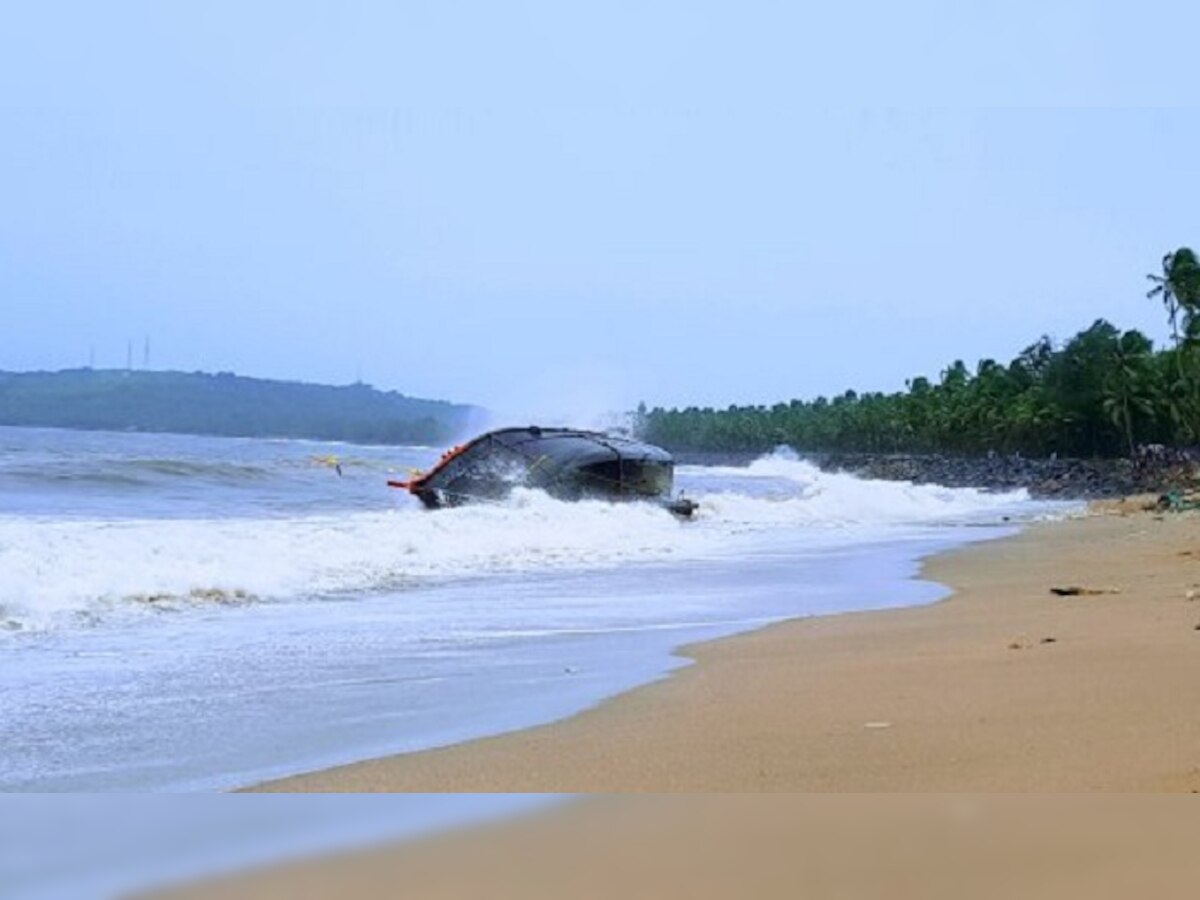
x=1103, y=392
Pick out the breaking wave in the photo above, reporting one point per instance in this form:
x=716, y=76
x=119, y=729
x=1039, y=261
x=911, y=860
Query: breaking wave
x=56, y=571
x=783, y=489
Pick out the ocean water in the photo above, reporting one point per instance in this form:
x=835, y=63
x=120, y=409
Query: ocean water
x=191, y=614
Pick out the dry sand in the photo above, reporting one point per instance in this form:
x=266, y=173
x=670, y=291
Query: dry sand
x=1001, y=687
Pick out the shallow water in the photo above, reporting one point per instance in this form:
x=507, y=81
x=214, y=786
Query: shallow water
x=197, y=613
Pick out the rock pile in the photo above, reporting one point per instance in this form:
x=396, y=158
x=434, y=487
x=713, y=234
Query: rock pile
x=1054, y=478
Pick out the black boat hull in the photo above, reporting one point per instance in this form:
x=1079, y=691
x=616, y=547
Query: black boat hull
x=567, y=464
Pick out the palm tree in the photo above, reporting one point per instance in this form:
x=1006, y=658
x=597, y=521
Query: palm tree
x=1179, y=288
x=1127, y=391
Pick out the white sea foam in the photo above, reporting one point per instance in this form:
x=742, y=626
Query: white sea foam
x=783, y=489
x=55, y=571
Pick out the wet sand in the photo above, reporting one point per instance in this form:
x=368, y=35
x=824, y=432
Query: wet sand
x=1001, y=687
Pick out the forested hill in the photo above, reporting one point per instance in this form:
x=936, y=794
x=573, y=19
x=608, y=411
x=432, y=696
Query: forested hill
x=225, y=404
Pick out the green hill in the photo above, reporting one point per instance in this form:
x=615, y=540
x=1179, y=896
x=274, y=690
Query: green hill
x=225, y=404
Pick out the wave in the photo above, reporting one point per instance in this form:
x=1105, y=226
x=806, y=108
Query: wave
x=53, y=572
x=56, y=572
x=134, y=472
x=782, y=488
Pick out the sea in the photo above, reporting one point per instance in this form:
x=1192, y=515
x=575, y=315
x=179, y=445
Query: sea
x=198, y=614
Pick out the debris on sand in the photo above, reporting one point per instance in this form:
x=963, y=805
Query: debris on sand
x=1077, y=591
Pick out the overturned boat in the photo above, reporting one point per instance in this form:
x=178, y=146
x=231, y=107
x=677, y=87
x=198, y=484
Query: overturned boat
x=566, y=463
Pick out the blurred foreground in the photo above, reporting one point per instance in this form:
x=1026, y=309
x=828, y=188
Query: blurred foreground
x=701, y=846
x=89, y=846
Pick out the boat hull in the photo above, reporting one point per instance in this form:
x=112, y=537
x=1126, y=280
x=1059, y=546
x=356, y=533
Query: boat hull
x=567, y=464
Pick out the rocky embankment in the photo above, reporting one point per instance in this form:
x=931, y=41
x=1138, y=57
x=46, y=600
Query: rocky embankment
x=1057, y=478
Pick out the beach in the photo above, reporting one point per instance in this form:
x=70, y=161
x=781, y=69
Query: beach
x=535, y=450
x=903, y=847
x=1004, y=686
x=202, y=614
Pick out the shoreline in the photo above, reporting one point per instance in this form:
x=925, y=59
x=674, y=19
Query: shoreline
x=998, y=687
x=978, y=702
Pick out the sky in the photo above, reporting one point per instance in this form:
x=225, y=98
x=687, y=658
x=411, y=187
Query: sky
x=572, y=207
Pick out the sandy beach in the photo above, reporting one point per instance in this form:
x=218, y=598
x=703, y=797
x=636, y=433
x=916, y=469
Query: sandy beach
x=902, y=847
x=1003, y=686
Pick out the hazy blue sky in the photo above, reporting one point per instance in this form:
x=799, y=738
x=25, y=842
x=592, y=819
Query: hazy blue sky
x=571, y=206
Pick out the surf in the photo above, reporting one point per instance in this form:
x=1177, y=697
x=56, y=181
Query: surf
x=80, y=572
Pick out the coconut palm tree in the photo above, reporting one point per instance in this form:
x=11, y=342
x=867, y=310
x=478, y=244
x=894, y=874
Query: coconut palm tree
x=1179, y=289
x=1127, y=390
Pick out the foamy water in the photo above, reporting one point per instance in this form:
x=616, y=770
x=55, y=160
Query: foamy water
x=63, y=571
x=204, y=613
